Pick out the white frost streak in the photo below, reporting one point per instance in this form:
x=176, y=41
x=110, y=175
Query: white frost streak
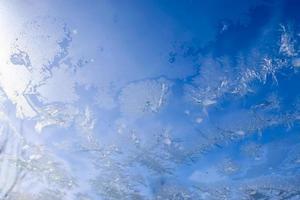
x=10, y=150
x=164, y=89
x=287, y=43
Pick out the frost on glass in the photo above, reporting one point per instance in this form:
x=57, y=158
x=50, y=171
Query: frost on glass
x=62, y=136
x=140, y=98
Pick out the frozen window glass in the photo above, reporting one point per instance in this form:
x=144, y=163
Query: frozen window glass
x=149, y=100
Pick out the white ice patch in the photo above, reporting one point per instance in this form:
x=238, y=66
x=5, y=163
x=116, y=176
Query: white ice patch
x=143, y=97
x=40, y=39
x=87, y=120
x=287, y=42
x=24, y=65
x=296, y=62
x=61, y=116
x=199, y=120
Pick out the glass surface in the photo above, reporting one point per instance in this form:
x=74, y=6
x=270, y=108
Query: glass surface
x=149, y=100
